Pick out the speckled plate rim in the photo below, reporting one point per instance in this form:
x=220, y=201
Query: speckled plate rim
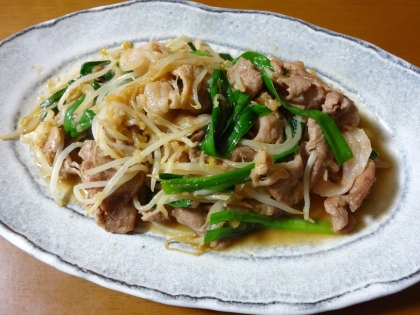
x=355, y=295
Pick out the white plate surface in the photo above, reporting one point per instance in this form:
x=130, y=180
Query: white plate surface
x=381, y=258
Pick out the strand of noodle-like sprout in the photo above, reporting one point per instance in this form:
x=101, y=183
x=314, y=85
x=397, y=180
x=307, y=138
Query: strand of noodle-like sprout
x=174, y=128
x=274, y=149
x=177, y=43
x=138, y=144
x=113, y=84
x=237, y=82
x=306, y=183
x=46, y=169
x=150, y=124
x=188, y=142
x=211, y=197
x=165, y=123
x=166, y=152
x=106, y=166
x=82, y=186
x=82, y=80
x=170, y=63
x=150, y=204
x=176, y=60
x=170, y=231
x=200, y=45
x=209, y=62
x=168, y=166
x=236, y=164
x=193, y=241
x=191, y=168
x=197, y=81
x=114, y=107
x=117, y=147
x=288, y=130
x=210, y=169
x=22, y=130
x=157, y=154
x=118, y=135
x=58, y=161
x=80, y=198
x=137, y=168
x=216, y=207
x=169, y=137
x=103, y=141
x=133, y=98
x=126, y=150
x=264, y=198
x=90, y=95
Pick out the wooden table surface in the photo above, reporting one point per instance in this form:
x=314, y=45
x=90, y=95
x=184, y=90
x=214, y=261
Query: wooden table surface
x=28, y=286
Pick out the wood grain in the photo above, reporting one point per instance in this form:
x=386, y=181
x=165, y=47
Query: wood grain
x=28, y=286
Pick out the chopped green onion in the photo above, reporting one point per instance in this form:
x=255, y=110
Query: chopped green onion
x=96, y=85
x=335, y=139
x=170, y=176
x=183, y=203
x=75, y=129
x=56, y=96
x=256, y=221
x=87, y=67
x=215, y=182
x=291, y=224
x=197, y=52
x=228, y=123
x=373, y=154
x=228, y=232
x=294, y=123
x=226, y=56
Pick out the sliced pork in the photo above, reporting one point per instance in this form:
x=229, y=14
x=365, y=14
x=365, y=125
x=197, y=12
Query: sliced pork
x=338, y=205
x=116, y=213
x=52, y=144
x=298, y=85
x=244, y=76
x=342, y=110
x=317, y=143
x=195, y=219
x=289, y=190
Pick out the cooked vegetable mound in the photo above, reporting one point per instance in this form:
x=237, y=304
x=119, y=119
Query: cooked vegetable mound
x=177, y=132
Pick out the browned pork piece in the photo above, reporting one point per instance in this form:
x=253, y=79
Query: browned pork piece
x=289, y=190
x=140, y=59
x=270, y=129
x=195, y=219
x=163, y=96
x=298, y=85
x=337, y=205
x=52, y=144
x=342, y=110
x=242, y=153
x=245, y=74
x=153, y=216
x=317, y=143
x=116, y=213
x=187, y=74
x=282, y=180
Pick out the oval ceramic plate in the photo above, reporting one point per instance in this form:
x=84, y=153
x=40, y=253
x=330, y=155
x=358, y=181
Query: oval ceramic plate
x=381, y=258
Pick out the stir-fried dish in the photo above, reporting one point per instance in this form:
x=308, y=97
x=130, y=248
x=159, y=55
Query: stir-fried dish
x=177, y=132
